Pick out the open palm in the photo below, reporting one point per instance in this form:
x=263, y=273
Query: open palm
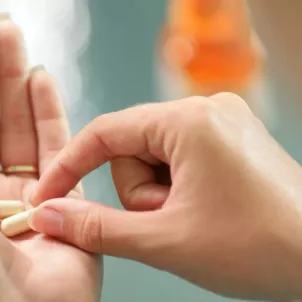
x=33, y=129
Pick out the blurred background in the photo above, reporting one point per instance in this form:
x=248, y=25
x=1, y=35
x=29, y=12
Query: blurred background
x=111, y=54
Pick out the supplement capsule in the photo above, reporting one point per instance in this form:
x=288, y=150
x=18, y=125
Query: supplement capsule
x=10, y=207
x=15, y=225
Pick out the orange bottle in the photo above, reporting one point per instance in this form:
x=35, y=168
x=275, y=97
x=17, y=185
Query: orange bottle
x=209, y=46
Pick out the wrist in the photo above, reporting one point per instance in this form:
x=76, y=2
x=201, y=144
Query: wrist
x=287, y=248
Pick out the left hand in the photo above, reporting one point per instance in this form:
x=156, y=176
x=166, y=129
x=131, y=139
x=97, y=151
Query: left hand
x=33, y=129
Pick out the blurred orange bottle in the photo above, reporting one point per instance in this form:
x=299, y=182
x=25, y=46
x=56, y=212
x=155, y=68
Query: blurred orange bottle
x=209, y=46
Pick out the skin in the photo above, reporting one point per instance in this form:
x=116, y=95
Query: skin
x=229, y=219
x=34, y=267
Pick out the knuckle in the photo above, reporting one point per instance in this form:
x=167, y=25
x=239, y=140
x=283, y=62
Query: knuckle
x=199, y=113
x=195, y=102
x=228, y=99
x=190, y=115
x=226, y=96
x=190, y=109
x=100, y=138
x=91, y=231
x=68, y=170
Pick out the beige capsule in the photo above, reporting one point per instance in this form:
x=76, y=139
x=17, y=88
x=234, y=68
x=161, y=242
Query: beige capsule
x=10, y=207
x=15, y=225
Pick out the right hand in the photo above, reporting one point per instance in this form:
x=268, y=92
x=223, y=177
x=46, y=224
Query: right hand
x=231, y=221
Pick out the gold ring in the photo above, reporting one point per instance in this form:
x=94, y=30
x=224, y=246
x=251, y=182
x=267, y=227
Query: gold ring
x=20, y=169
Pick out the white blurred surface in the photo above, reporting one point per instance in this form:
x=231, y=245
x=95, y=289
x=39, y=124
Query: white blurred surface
x=57, y=33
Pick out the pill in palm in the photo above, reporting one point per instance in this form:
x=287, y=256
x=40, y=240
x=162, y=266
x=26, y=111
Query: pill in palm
x=15, y=225
x=10, y=207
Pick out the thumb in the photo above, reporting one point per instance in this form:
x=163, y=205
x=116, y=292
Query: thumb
x=96, y=228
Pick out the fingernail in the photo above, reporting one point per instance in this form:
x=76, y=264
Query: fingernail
x=79, y=189
x=154, y=195
x=5, y=16
x=37, y=68
x=46, y=221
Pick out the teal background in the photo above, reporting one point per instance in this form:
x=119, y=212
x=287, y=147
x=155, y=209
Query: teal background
x=118, y=71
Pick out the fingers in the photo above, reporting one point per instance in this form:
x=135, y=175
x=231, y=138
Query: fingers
x=125, y=133
x=49, y=116
x=18, y=136
x=99, y=229
x=136, y=184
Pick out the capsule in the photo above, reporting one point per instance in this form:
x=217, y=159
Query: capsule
x=10, y=207
x=15, y=225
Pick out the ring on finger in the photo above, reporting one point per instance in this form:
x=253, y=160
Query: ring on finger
x=19, y=169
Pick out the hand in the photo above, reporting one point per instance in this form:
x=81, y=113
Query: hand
x=33, y=129
x=231, y=221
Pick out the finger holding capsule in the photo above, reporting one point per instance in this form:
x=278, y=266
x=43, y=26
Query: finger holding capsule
x=13, y=218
